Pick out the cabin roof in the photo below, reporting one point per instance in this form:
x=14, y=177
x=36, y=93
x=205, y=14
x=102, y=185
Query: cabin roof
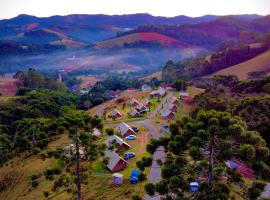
x=115, y=112
x=114, y=159
x=117, y=139
x=166, y=112
x=123, y=128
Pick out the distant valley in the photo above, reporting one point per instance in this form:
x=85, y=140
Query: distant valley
x=138, y=43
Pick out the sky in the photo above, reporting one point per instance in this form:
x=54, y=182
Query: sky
x=169, y=8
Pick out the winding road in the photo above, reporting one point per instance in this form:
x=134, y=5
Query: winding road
x=154, y=175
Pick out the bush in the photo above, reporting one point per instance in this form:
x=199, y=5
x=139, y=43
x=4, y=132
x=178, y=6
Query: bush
x=147, y=161
x=255, y=191
x=140, y=165
x=42, y=156
x=33, y=177
x=109, y=131
x=136, y=197
x=161, y=187
x=142, y=177
x=149, y=189
x=34, y=183
x=46, y=193
x=236, y=177
x=259, y=185
x=35, y=150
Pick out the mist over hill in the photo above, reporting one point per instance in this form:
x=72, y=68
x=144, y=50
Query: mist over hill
x=134, y=42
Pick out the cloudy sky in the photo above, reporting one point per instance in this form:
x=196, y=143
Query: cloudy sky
x=44, y=8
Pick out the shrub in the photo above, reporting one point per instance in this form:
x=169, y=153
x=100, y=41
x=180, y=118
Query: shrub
x=149, y=189
x=142, y=177
x=34, y=183
x=255, y=191
x=109, y=131
x=42, y=156
x=237, y=177
x=46, y=193
x=140, y=165
x=161, y=187
x=147, y=161
x=35, y=150
x=33, y=177
x=136, y=197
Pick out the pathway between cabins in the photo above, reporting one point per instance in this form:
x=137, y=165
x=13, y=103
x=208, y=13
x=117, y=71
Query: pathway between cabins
x=154, y=175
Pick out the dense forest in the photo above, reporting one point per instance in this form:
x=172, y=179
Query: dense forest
x=227, y=54
x=209, y=138
x=230, y=122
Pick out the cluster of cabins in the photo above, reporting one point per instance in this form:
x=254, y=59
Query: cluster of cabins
x=116, y=145
x=139, y=108
x=170, y=108
x=172, y=105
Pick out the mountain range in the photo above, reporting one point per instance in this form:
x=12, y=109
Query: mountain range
x=136, y=40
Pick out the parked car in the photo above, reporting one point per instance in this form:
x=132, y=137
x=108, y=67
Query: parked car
x=144, y=111
x=131, y=137
x=135, y=129
x=129, y=155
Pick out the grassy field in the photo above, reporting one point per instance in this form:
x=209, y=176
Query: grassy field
x=25, y=166
x=258, y=63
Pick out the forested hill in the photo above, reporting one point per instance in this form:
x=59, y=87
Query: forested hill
x=226, y=55
x=212, y=33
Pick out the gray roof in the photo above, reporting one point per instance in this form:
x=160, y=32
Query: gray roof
x=133, y=112
x=171, y=105
x=116, y=139
x=161, y=91
x=115, y=112
x=145, y=101
x=123, y=128
x=173, y=98
x=140, y=106
x=113, y=159
x=133, y=100
x=166, y=113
